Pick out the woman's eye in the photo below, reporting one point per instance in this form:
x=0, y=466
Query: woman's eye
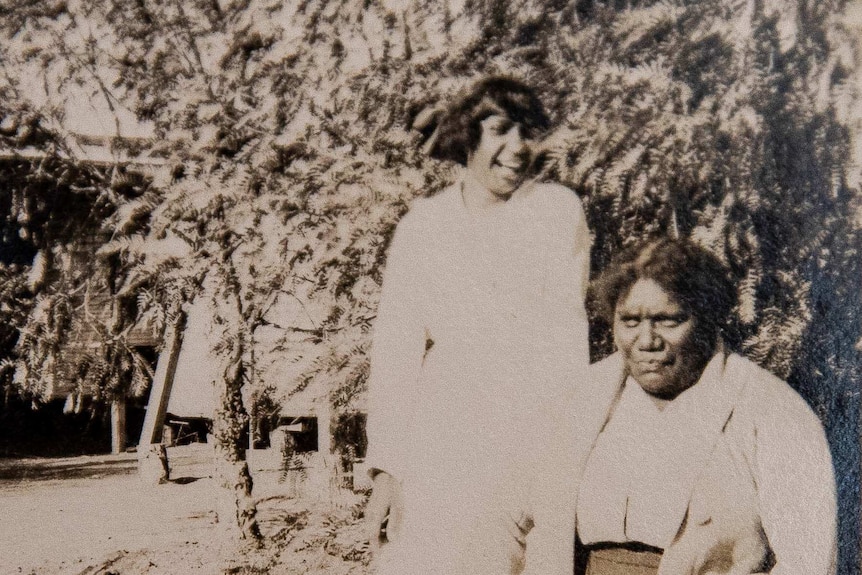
x=631, y=322
x=502, y=128
x=669, y=322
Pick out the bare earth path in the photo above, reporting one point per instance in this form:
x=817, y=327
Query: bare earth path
x=93, y=516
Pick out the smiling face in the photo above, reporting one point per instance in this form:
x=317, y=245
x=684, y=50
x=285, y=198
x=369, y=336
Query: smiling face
x=659, y=340
x=500, y=160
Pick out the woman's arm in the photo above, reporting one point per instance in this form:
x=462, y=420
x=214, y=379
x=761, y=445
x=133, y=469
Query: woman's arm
x=396, y=354
x=550, y=543
x=796, y=487
x=564, y=328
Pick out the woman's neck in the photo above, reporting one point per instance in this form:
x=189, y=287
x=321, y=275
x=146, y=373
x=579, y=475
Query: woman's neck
x=478, y=197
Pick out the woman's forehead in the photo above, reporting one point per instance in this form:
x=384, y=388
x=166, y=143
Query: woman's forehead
x=647, y=295
x=488, y=108
x=496, y=120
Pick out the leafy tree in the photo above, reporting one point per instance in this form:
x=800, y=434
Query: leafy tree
x=54, y=208
x=285, y=129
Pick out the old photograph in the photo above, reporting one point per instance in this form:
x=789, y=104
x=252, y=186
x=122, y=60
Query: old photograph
x=455, y=287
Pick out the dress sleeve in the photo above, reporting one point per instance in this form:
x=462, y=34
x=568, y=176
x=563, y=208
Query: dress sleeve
x=796, y=488
x=565, y=331
x=582, y=246
x=564, y=357
x=550, y=544
x=397, y=350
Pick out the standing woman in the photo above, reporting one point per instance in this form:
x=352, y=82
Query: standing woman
x=481, y=333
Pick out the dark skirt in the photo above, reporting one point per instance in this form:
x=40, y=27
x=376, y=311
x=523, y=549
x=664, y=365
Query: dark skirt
x=618, y=559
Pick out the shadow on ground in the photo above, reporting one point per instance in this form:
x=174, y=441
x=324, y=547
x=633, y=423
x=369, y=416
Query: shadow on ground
x=39, y=470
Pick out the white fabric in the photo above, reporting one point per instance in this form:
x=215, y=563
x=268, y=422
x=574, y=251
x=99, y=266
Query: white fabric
x=765, y=489
x=499, y=292
x=639, y=476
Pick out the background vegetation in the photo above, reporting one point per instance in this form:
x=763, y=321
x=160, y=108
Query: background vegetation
x=285, y=131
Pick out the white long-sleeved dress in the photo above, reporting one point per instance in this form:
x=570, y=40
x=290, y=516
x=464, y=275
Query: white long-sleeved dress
x=481, y=333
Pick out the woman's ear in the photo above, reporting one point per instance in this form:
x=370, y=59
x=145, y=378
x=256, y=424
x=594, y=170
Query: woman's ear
x=544, y=151
x=539, y=156
x=469, y=159
x=427, y=123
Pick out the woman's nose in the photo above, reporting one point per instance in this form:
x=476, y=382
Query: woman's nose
x=647, y=338
x=514, y=137
x=516, y=146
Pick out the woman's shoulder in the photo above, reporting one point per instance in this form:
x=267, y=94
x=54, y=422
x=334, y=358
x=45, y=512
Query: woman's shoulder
x=607, y=371
x=770, y=400
x=554, y=195
x=602, y=379
x=426, y=214
x=554, y=202
x=435, y=207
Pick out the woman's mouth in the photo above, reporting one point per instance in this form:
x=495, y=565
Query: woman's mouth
x=509, y=165
x=514, y=162
x=652, y=365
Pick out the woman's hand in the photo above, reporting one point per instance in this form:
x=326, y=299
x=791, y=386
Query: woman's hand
x=384, y=511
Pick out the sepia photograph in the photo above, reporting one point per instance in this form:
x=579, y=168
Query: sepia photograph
x=430, y=287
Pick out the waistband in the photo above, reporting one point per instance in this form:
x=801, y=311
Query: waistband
x=622, y=559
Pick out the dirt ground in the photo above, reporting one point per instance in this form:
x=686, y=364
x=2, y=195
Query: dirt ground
x=94, y=516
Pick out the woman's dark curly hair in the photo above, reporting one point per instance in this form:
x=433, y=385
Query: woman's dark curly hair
x=459, y=130
x=688, y=272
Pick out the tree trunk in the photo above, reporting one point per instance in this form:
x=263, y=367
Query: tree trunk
x=236, y=507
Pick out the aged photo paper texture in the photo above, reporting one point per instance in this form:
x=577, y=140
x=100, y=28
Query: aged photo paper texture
x=468, y=286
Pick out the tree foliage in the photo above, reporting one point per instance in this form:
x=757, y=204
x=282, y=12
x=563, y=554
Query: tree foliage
x=285, y=129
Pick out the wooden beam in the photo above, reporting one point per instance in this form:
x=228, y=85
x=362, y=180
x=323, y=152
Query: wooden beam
x=163, y=380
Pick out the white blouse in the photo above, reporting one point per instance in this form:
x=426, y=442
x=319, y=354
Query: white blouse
x=637, y=482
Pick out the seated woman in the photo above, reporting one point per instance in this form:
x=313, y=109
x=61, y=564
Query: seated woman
x=692, y=460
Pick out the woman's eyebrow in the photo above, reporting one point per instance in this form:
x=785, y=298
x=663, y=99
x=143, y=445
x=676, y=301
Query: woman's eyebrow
x=496, y=121
x=657, y=316
x=662, y=316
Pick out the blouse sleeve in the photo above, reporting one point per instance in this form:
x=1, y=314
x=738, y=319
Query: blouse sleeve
x=396, y=353
x=796, y=488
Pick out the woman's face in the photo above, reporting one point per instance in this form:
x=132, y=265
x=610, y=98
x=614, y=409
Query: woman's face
x=502, y=156
x=659, y=340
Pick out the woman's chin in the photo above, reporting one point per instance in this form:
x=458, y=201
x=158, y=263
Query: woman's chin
x=652, y=381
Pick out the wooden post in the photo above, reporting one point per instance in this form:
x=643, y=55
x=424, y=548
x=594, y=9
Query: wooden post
x=330, y=472
x=324, y=431
x=153, y=464
x=157, y=406
x=118, y=425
